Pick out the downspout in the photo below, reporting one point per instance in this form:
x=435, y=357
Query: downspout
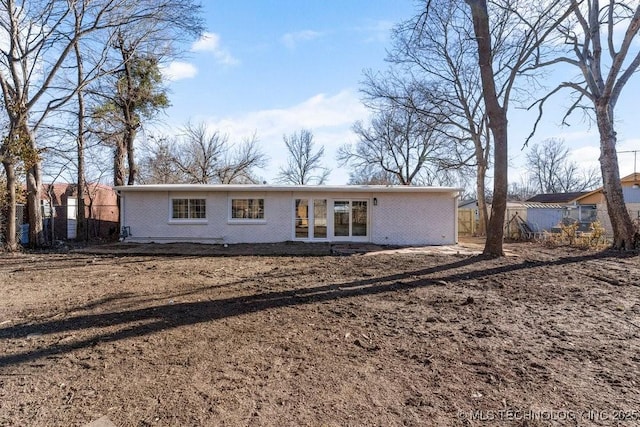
x=455, y=207
x=121, y=215
x=52, y=223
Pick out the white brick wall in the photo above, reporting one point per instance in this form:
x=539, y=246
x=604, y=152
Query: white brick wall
x=398, y=218
x=414, y=219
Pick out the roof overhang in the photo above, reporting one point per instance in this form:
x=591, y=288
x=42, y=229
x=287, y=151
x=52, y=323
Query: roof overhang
x=284, y=188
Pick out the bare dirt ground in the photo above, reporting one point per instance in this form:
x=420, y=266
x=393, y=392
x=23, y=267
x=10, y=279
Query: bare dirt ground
x=289, y=335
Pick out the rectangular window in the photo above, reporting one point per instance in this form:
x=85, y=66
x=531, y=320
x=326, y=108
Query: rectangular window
x=247, y=208
x=188, y=209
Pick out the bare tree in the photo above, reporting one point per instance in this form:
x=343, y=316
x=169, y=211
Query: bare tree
x=303, y=165
x=35, y=62
x=131, y=56
x=10, y=157
x=206, y=157
x=371, y=176
x=523, y=189
x=602, y=45
x=435, y=51
x=199, y=152
x=239, y=162
x=399, y=142
x=158, y=164
x=552, y=171
x=528, y=26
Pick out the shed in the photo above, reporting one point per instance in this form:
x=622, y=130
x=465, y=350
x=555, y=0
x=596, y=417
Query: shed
x=545, y=216
x=399, y=215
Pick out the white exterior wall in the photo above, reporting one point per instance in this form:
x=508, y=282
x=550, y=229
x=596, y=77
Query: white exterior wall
x=414, y=219
x=398, y=218
x=148, y=215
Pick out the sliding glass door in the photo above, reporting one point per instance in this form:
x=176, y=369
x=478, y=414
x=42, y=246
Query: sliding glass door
x=350, y=219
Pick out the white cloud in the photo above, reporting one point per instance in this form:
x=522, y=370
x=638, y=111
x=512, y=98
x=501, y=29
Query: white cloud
x=178, y=70
x=629, y=156
x=291, y=40
x=329, y=117
x=377, y=31
x=586, y=157
x=579, y=137
x=210, y=42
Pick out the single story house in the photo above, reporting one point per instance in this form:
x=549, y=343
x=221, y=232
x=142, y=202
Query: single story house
x=399, y=215
x=548, y=210
x=593, y=203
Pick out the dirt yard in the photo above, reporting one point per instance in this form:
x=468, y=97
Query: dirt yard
x=253, y=336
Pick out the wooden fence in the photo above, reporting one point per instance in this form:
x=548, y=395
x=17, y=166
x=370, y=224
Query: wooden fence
x=467, y=223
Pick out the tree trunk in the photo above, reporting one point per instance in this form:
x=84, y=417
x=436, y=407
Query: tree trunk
x=81, y=225
x=34, y=206
x=481, y=173
x=495, y=228
x=497, y=123
x=81, y=220
x=118, y=163
x=130, y=135
x=624, y=235
x=11, y=243
x=118, y=170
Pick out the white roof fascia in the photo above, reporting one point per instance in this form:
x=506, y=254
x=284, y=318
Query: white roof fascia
x=285, y=188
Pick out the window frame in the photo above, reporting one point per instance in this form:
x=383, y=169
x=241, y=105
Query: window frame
x=311, y=219
x=234, y=220
x=189, y=219
x=351, y=237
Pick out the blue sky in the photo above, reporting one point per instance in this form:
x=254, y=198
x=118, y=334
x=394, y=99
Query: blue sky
x=275, y=67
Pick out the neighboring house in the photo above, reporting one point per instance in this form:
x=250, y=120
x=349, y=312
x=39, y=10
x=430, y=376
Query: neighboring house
x=468, y=204
x=594, y=204
x=548, y=210
x=399, y=215
x=60, y=207
x=557, y=198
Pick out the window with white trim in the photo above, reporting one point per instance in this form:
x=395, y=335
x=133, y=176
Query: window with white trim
x=188, y=209
x=247, y=208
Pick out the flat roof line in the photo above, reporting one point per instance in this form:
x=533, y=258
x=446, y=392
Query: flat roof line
x=286, y=188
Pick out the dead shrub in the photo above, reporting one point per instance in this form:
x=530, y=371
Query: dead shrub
x=570, y=236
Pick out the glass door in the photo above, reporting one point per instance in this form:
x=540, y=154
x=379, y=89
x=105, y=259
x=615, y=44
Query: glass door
x=310, y=217
x=341, y=214
x=302, y=218
x=350, y=218
x=359, y=218
x=320, y=219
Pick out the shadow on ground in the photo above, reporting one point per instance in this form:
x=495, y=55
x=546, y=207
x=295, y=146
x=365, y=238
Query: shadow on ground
x=147, y=320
